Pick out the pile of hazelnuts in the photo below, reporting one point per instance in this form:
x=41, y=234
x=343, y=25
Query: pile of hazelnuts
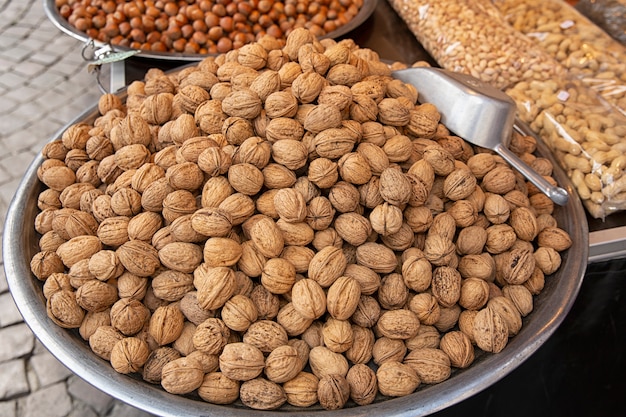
x=202, y=27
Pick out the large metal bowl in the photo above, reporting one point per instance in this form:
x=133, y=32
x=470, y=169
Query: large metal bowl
x=62, y=24
x=551, y=307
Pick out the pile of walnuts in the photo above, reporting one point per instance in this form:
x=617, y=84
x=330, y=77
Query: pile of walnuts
x=288, y=225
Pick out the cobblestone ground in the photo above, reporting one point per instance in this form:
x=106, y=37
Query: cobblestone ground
x=44, y=84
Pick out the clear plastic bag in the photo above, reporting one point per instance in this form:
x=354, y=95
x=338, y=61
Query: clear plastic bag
x=472, y=36
x=586, y=134
x=610, y=15
x=587, y=51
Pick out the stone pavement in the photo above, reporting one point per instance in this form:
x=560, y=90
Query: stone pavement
x=44, y=84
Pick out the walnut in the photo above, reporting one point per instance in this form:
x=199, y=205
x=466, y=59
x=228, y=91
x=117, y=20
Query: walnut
x=426, y=308
x=337, y=335
x=144, y=225
x=301, y=391
x=478, y=266
x=215, y=285
x=333, y=391
x=156, y=109
x=266, y=335
x=292, y=321
x=129, y=354
x=555, y=238
x=322, y=116
x=398, y=324
x=267, y=304
x=290, y=205
x=327, y=265
x=385, y=350
x=267, y=237
x=438, y=249
x=45, y=263
x=353, y=228
x=324, y=361
x=448, y=317
x=520, y=296
x=426, y=337
x=500, y=237
x=397, y=379
x=474, y=293
x=78, y=248
x=278, y=176
x=362, y=345
x=265, y=84
x=446, y=285
x=417, y=273
x=221, y=251
x=103, y=339
x=395, y=187
x=392, y=293
x=471, y=240
x=156, y=361
x=354, y=168
x=458, y=346
x=490, y=330
x=367, y=312
x=166, y=324
x=243, y=103
x=278, y=275
x=480, y=164
x=290, y=152
x=216, y=388
x=308, y=298
x=377, y=257
x=509, y=313
x=386, y=219
x=138, y=257
x=170, y=285
x=57, y=281
x=95, y=296
x=64, y=310
x=299, y=256
x=343, y=297
x=363, y=384
x=239, y=313
x=261, y=394
x=517, y=266
x=283, y=364
x=500, y=180
x=547, y=259
x=241, y=361
x=211, y=336
x=184, y=343
x=333, y=143
x=398, y=148
x=182, y=375
x=129, y=316
x=431, y=365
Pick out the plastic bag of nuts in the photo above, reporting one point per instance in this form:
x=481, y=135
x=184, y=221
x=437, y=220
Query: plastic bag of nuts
x=581, y=128
x=587, y=51
x=610, y=15
x=472, y=36
x=288, y=225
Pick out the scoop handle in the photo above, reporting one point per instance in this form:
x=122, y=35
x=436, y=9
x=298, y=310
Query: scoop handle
x=557, y=194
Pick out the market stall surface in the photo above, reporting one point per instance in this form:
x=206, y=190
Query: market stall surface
x=44, y=82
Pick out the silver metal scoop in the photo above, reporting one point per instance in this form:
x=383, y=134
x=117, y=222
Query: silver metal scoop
x=479, y=113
